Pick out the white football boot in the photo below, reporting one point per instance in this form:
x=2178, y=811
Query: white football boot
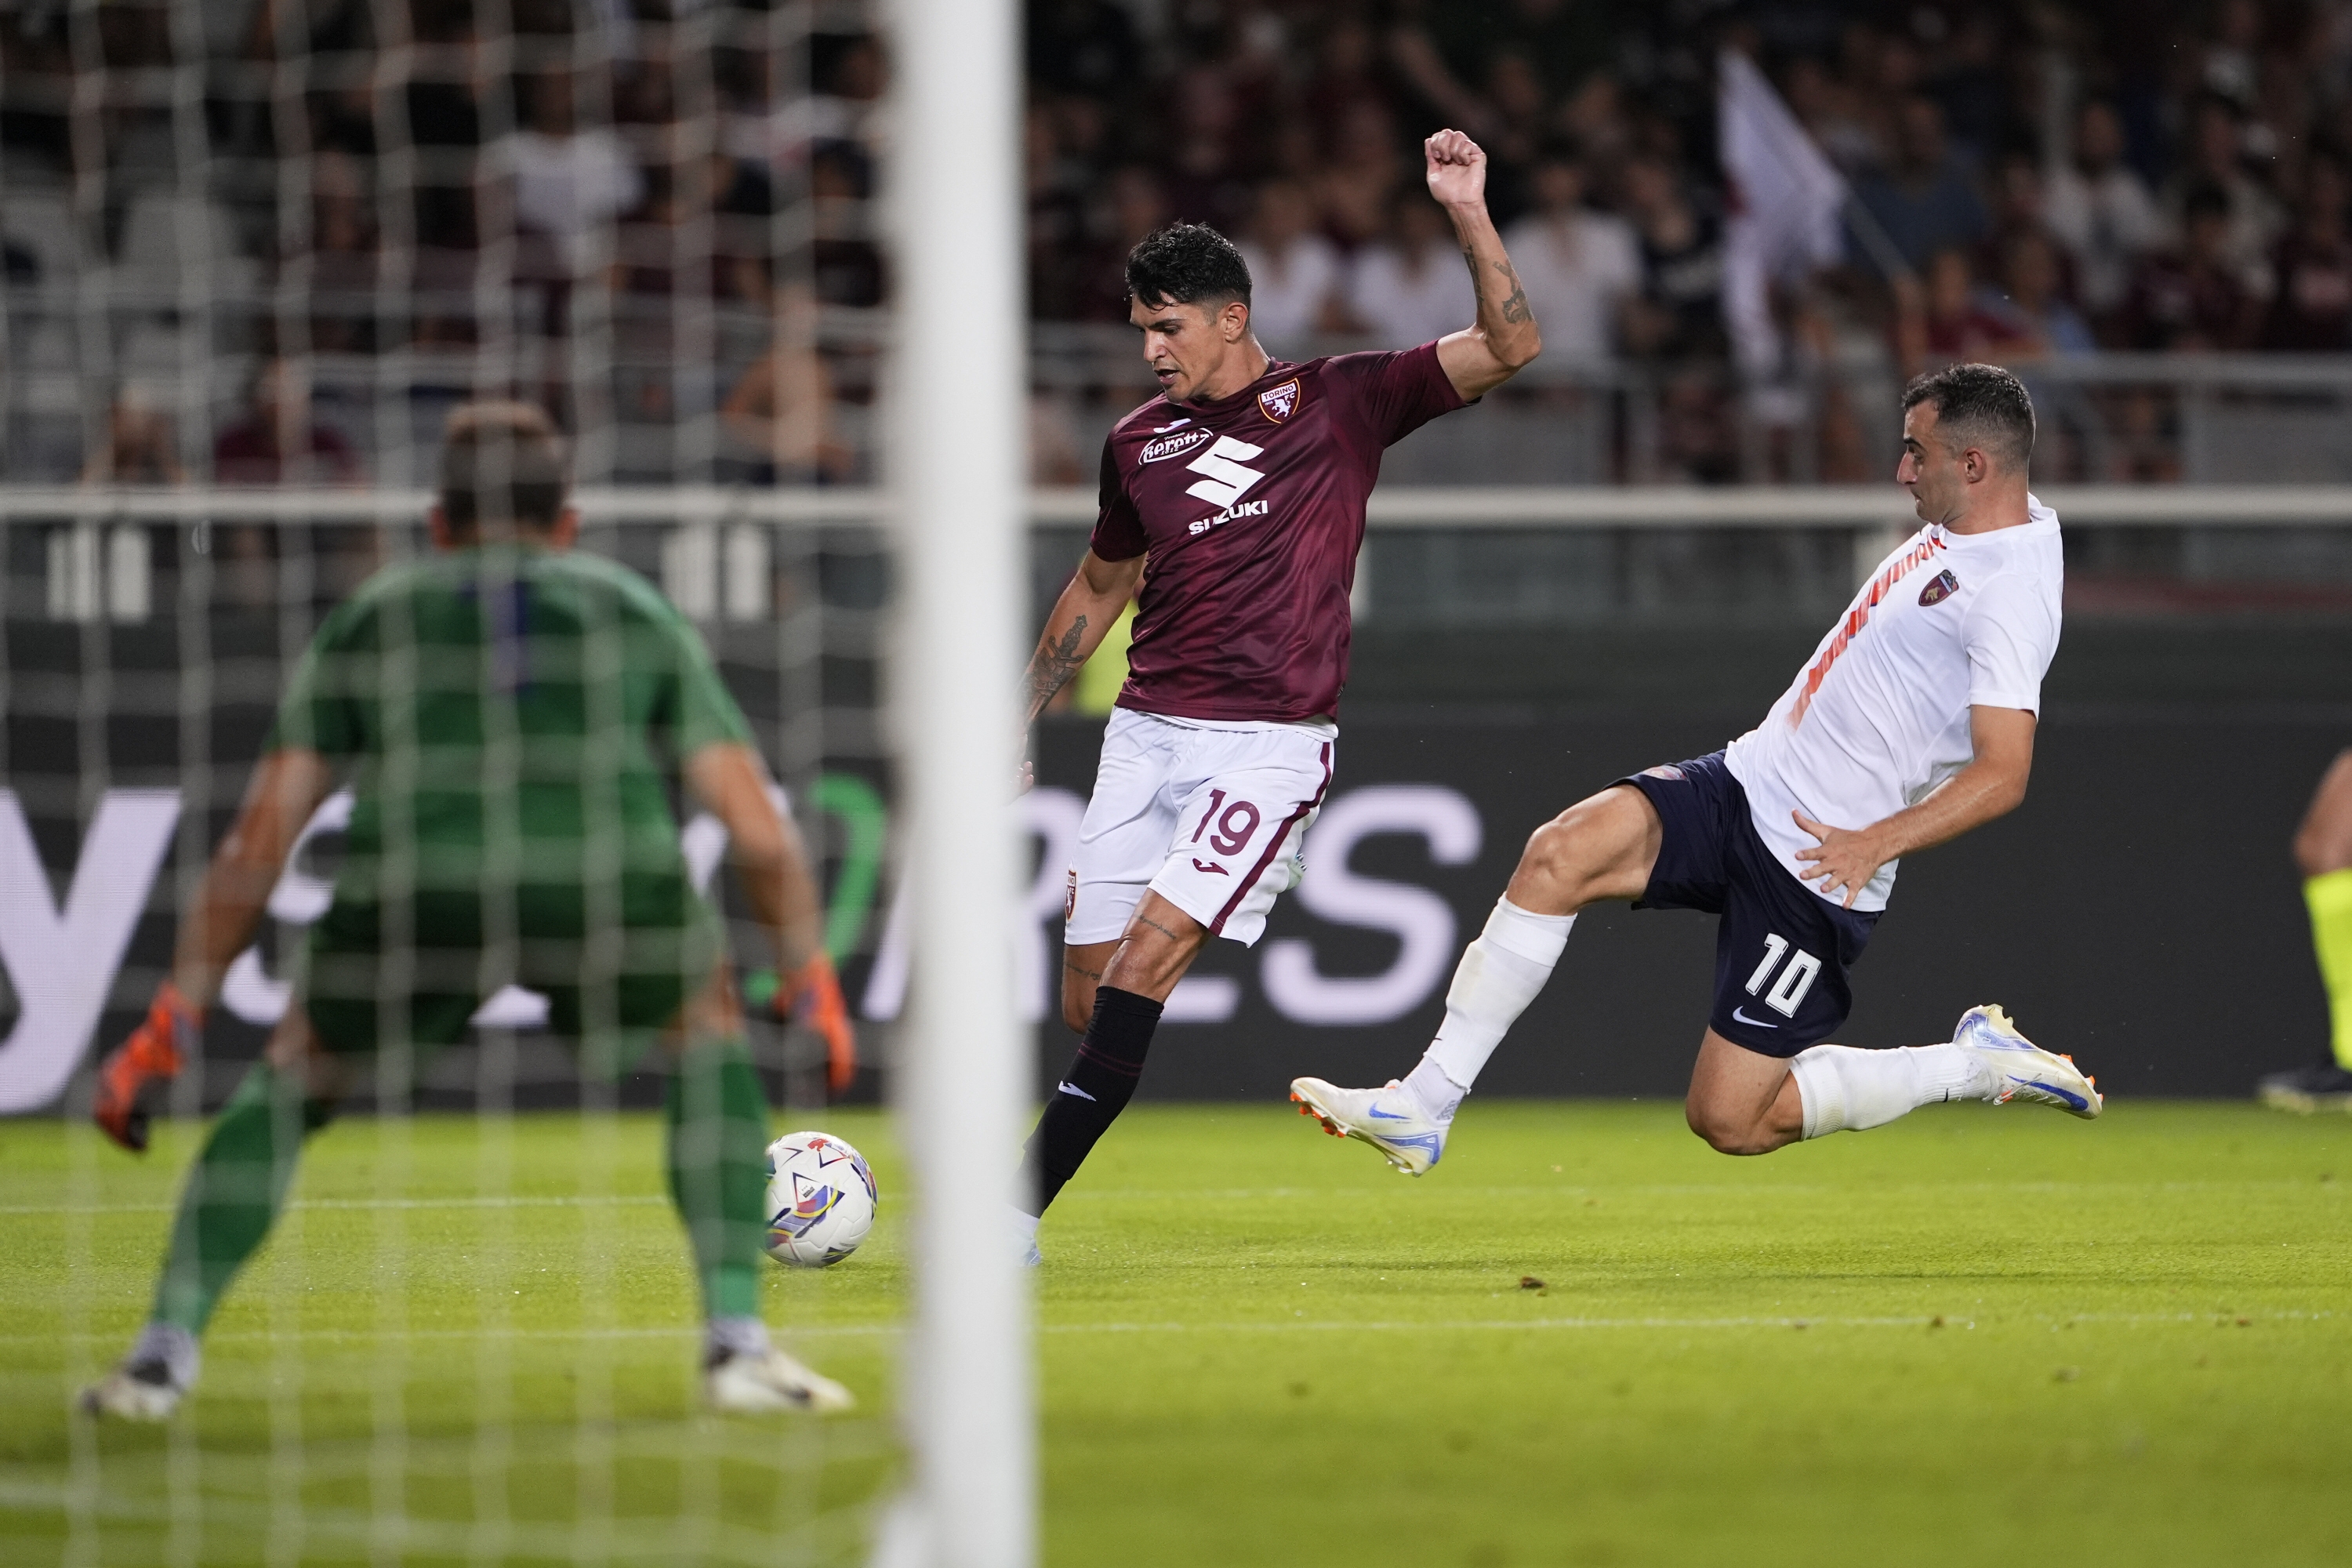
x=761, y=1382
x=136, y=1391
x=147, y=1385
x=1389, y=1118
x=2014, y=1067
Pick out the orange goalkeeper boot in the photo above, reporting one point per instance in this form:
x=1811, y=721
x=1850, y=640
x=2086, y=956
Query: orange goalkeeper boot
x=155, y=1052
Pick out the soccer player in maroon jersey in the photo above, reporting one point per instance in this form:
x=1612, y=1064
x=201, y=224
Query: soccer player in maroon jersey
x=1236, y=499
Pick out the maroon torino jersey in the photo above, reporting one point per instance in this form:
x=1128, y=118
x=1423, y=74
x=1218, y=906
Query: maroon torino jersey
x=1252, y=509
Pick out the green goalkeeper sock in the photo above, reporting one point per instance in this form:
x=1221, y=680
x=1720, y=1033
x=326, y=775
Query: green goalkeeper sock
x=2330, y=897
x=234, y=1192
x=718, y=1171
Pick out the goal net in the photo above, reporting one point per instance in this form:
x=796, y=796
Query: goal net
x=256, y=254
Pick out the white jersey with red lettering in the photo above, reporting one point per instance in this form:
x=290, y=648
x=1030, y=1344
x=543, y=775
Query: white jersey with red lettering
x=1879, y=715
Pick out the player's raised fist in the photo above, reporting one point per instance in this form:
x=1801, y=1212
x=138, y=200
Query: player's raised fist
x=1457, y=168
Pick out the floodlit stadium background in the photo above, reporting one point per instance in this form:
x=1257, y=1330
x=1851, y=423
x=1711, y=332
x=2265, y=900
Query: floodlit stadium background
x=254, y=251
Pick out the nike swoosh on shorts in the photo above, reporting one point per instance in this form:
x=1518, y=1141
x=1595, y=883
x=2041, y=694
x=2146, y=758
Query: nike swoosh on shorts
x=1758, y=1023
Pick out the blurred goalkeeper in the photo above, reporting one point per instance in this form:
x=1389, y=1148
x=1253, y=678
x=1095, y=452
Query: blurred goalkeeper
x=506, y=711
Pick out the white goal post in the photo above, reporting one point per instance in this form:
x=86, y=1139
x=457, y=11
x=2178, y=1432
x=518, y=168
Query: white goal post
x=958, y=398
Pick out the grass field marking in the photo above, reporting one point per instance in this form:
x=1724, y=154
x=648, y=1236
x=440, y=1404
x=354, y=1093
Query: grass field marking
x=654, y=1541
x=600, y=1201
x=2051, y=1319
x=1665, y=1189
x=372, y=1336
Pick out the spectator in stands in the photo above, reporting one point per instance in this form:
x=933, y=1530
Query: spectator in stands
x=1943, y=320
x=1203, y=175
x=1360, y=184
x=1346, y=71
x=2312, y=309
x=1923, y=199
x=1516, y=93
x=1678, y=312
x=2033, y=301
x=2193, y=297
x=567, y=183
x=1580, y=267
x=1055, y=194
x=140, y=448
x=782, y=408
x=1294, y=272
x=1825, y=107
x=341, y=261
x=1134, y=207
x=2101, y=210
x=847, y=262
x=277, y=442
x=2216, y=161
x=1412, y=288
x=1083, y=46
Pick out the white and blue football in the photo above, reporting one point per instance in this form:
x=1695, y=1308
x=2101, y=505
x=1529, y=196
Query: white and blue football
x=821, y=1200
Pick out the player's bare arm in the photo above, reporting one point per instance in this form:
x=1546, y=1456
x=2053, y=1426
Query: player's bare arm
x=773, y=863
x=1081, y=617
x=732, y=782
x=1505, y=339
x=287, y=787
x=1991, y=786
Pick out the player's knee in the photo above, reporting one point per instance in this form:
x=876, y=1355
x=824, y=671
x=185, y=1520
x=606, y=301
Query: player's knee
x=2324, y=842
x=1724, y=1131
x=1554, y=854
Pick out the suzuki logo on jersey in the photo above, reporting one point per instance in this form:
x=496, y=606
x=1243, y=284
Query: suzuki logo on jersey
x=1174, y=446
x=1277, y=402
x=1247, y=508
x=1227, y=479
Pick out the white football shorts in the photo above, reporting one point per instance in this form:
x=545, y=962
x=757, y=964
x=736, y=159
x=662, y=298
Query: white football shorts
x=1210, y=815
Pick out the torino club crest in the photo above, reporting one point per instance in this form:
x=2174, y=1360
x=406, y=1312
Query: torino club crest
x=1278, y=403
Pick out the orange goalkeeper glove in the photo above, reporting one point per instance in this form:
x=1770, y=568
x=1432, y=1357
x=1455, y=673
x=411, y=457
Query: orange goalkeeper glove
x=812, y=994
x=155, y=1052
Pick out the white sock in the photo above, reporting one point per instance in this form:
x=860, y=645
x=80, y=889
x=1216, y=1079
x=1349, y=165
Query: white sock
x=1499, y=975
x=1025, y=1226
x=725, y=1337
x=1845, y=1088
x=1438, y=1096
x=175, y=1347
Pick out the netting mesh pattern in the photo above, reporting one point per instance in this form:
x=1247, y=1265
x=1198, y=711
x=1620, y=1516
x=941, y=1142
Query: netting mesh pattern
x=266, y=249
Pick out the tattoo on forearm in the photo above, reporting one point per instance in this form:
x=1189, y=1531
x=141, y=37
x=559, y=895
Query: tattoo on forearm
x=1051, y=667
x=1514, y=307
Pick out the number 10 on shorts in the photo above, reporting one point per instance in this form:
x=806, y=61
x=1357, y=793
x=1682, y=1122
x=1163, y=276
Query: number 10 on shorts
x=1787, y=992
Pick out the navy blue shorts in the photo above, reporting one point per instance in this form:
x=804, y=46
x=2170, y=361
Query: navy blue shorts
x=1782, y=950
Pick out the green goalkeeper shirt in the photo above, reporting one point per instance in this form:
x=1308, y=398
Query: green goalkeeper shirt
x=510, y=716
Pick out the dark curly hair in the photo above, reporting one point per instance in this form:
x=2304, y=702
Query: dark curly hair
x=1979, y=405
x=1187, y=264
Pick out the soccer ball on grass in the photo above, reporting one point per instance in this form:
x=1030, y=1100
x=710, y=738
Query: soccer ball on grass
x=821, y=1199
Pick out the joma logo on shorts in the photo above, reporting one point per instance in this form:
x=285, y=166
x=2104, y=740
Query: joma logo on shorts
x=1247, y=508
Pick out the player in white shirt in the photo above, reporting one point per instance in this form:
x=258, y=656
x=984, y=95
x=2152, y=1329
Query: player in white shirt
x=1912, y=723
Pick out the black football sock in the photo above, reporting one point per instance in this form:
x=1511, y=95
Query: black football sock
x=1097, y=1088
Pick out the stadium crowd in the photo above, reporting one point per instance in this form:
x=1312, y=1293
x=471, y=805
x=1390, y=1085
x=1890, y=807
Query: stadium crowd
x=696, y=186
x=2057, y=179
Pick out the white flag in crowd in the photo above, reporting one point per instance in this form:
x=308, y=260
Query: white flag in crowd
x=1787, y=203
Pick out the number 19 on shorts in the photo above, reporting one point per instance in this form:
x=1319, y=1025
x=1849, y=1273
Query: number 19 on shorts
x=1796, y=976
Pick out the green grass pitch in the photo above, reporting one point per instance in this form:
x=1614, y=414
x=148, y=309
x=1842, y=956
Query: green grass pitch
x=1976, y=1336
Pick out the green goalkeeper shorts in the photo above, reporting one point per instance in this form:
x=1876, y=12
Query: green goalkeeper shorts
x=613, y=994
